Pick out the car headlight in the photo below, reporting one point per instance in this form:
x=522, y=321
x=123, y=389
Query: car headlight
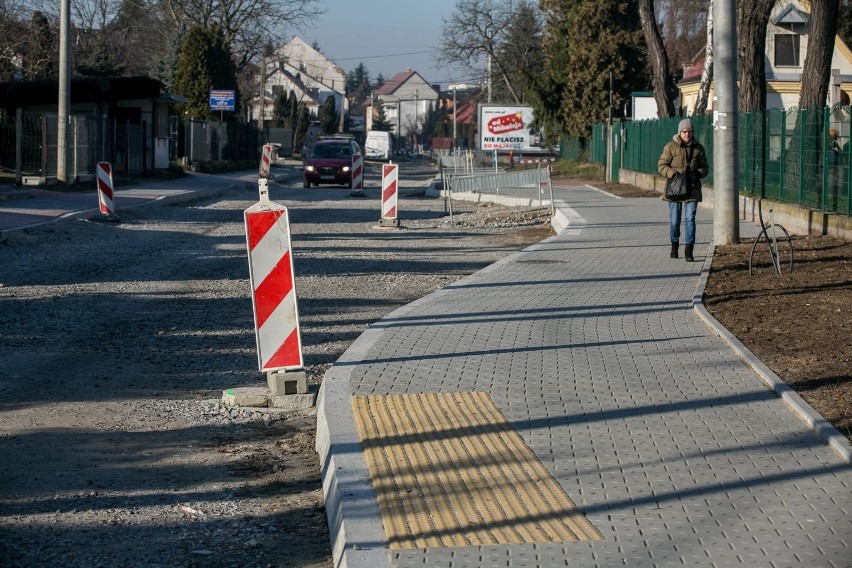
x=309, y=168
x=345, y=169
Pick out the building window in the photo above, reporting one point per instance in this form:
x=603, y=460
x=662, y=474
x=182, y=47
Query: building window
x=787, y=50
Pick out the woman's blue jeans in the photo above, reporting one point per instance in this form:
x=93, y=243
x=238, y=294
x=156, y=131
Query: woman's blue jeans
x=675, y=211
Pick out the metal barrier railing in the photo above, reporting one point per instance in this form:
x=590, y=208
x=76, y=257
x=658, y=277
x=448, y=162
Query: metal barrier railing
x=513, y=187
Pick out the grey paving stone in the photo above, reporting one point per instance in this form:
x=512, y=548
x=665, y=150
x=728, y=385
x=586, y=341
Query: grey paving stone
x=668, y=442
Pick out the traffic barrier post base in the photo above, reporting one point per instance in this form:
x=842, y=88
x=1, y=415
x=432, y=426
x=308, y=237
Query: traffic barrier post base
x=107, y=218
x=386, y=224
x=284, y=382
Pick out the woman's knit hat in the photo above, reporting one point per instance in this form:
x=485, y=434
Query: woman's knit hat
x=684, y=124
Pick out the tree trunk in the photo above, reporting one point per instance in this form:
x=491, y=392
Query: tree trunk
x=661, y=79
x=809, y=140
x=707, y=73
x=752, y=19
x=817, y=68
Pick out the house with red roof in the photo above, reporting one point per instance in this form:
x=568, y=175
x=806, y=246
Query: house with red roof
x=406, y=98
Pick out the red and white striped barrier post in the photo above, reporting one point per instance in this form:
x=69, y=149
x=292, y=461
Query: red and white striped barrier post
x=357, y=176
x=390, y=191
x=276, y=315
x=265, y=160
x=106, y=195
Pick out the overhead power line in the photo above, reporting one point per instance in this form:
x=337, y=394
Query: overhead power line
x=384, y=56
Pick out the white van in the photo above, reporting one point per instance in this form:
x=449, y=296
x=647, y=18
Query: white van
x=378, y=145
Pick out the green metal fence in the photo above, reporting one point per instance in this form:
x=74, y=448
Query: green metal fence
x=574, y=148
x=644, y=141
x=793, y=156
x=580, y=149
x=598, y=144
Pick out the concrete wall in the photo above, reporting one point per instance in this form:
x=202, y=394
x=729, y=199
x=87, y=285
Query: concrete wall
x=796, y=219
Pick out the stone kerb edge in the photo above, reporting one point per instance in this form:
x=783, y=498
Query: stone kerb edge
x=804, y=411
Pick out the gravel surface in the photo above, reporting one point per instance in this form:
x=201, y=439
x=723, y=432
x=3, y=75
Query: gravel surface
x=118, y=340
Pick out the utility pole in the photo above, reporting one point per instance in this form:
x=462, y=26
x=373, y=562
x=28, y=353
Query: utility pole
x=340, y=128
x=489, y=77
x=262, y=114
x=455, y=113
x=64, y=95
x=416, y=93
x=609, y=156
x=726, y=223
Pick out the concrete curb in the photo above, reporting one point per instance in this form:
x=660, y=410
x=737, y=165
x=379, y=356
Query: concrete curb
x=804, y=411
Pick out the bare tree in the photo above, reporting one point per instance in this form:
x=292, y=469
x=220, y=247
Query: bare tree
x=661, y=79
x=13, y=39
x=475, y=31
x=683, y=26
x=707, y=72
x=247, y=24
x=804, y=152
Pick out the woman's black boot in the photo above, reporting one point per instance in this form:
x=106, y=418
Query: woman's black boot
x=687, y=252
x=674, y=250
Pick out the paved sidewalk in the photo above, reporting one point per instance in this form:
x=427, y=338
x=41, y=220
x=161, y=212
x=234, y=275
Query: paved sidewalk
x=588, y=343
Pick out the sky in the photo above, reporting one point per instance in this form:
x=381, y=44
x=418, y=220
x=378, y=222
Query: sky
x=385, y=35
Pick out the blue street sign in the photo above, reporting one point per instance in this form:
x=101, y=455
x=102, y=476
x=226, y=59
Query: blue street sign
x=222, y=100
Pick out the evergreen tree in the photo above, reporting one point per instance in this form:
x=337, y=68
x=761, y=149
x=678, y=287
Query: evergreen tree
x=100, y=61
x=437, y=121
x=42, y=49
x=281, y=110
x=140, y=38
x=300, y=130
x=358, y=84
x=521, y=53
x=164, y=69
x=328, y=116
x=546, y=87
x=590, y=61
x=205, y=63
x=380, y=119
x=380, y=80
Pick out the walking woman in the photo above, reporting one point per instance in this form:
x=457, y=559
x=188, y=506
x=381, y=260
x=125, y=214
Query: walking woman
x=684, y=155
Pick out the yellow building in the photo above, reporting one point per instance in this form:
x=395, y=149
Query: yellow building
x=786, y=49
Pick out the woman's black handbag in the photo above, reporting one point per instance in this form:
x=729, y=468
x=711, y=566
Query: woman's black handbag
x=676, y=187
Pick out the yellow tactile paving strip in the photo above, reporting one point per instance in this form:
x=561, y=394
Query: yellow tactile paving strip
x=449, y=470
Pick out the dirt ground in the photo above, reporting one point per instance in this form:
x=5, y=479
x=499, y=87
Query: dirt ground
x=799, y=324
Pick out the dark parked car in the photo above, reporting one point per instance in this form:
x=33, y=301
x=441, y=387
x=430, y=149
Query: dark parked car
x=330, y=161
